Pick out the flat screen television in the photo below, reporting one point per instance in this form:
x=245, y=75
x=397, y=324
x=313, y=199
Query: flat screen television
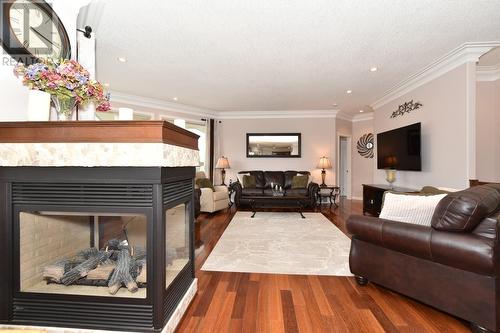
x=400, y=149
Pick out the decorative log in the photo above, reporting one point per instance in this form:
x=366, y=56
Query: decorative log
x=121, y=275
x=55, y=271
x=81, y=270
x=142, y=277
x=101, y=272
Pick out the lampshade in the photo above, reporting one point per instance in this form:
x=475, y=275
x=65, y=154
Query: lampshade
x=324, y=163
x=222, y=163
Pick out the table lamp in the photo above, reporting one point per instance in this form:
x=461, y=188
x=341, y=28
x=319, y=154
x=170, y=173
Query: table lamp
x=390, y=163
x=324, y=163
x=223, y=163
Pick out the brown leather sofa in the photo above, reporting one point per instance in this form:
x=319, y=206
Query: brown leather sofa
x=263, y=180
x=452, y=265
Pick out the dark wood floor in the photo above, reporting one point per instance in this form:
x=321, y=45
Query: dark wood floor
x=241, y=302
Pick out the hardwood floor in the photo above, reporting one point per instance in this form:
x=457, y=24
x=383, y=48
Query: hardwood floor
x=243, y=302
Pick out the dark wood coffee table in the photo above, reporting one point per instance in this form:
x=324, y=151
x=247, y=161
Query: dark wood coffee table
x=280, y=202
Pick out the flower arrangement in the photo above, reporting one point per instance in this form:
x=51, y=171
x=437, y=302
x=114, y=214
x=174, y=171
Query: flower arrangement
x=66, y=81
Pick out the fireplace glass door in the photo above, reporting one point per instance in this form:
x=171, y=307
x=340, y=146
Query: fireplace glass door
x=79, y=253
x=177, y=241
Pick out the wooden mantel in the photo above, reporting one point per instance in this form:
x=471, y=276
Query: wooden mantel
x=97, y=132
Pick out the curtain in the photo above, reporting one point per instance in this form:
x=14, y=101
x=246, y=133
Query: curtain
x=217, y=151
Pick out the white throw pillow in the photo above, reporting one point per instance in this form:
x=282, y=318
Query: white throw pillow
x=415, y=209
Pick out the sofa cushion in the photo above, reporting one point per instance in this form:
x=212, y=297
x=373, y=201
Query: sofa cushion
x=249, y=181
x=275, y=177
x=296, y=192
x=251, y=191
x=463, y=210
x=408, y=208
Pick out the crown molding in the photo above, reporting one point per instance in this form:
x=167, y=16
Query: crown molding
x=363, y=117
x=278, y=114
x=158, y=104
x=488, y=73
x=344, y=116
x=467, y=52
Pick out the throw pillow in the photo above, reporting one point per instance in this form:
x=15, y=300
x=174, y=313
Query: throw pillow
x=407, y=208
x=205, y=183
x=249, y=181
x=431, y=190
x=300, y=181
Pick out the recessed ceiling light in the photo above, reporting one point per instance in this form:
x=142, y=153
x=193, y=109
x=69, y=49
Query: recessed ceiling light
x=175, y=98
x=122, y=59
x=361, y=111
x=373, y=69
x=349, y=91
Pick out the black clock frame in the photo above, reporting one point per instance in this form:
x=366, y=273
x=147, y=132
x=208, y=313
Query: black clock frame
x=19, y=52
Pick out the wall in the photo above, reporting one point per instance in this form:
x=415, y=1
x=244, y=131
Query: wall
x=487, y=131
x=318, y=139
x=444, y=131
x=13, y=94
x=362, y=168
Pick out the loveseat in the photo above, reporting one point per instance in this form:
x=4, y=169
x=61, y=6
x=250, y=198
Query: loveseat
x=264, y=179
x=452, y=265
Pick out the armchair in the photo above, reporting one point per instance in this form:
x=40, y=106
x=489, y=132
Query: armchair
x=212, y=200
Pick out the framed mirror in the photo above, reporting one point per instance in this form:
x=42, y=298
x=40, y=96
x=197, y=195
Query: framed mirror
x=261, y=145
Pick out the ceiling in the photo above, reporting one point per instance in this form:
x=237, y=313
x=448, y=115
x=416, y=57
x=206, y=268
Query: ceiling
x=240, y=55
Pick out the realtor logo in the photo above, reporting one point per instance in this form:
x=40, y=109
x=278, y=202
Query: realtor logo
x=29, y=30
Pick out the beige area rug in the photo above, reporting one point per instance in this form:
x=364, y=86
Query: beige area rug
x=281, y=243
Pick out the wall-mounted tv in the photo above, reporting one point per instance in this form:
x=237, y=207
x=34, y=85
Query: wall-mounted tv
x=400, y=149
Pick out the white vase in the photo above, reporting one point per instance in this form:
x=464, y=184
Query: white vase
x=38, y=106
x=87, y=112
x=125, y=114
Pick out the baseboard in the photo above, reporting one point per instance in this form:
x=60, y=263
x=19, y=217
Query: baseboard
x=357, y=198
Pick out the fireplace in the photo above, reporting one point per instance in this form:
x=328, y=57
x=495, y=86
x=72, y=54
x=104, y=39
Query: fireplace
x=101, y=247
x=124, y=249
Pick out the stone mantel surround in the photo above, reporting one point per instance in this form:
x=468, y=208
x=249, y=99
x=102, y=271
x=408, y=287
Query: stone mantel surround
x=97, y=144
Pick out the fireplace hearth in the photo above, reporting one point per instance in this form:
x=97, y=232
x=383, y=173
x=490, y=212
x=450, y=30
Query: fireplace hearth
x=107, y=248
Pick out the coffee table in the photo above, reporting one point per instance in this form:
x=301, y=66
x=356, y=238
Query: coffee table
x=280, y=202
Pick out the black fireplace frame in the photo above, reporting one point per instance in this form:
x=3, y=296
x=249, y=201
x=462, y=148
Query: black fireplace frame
x=159, y=189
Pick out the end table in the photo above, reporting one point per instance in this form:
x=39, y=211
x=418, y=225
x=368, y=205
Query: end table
x=329, y=191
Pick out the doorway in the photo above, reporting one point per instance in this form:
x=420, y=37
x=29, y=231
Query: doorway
x=344, y=165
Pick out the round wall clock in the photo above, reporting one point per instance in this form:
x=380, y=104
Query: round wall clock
x=365, y=145
x=31, y=30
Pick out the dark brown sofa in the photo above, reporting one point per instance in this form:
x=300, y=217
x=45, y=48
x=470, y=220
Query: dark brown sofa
x=263, y=179
x=452, y=265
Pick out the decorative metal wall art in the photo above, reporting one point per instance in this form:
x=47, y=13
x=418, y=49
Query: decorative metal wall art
x=365, y=145
x=406, y=108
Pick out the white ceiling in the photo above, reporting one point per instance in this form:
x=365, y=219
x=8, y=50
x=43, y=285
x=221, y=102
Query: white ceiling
x=280, y=54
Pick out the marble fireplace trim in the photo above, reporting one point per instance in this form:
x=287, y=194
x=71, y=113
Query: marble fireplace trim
x=96, y=155
x=169, y=328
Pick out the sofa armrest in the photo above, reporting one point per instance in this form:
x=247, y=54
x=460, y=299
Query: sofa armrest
x=312, y=192
x=221, y=188
x=411, y=239
x=238, y=189
x=206, y=193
